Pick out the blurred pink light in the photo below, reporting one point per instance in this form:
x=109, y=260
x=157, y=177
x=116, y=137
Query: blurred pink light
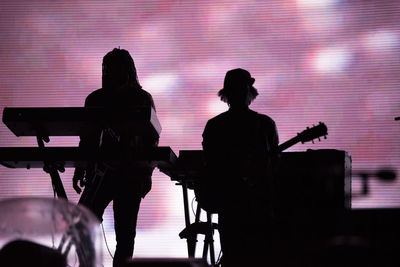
x=160, y=83
x=315, y=3
x=216, y=106
x=332, y=60
x=381, y=41
x=319, y=15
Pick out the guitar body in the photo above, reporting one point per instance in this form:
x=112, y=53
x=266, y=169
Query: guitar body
x=217, y=188
x=93, y=184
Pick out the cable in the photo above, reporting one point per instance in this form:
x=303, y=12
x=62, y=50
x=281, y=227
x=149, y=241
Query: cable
x=105, y=240
x=54, y=190
x=218, y=262
x=193, y=199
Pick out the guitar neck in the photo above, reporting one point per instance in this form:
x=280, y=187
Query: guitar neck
x=289, y=143
x=307, y=135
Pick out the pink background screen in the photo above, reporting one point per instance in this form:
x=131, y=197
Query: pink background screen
x=334, y=61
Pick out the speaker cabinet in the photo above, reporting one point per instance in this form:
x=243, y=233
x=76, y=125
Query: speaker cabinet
x=313, y=183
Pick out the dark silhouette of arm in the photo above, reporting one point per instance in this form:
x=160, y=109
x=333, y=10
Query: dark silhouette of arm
x=88, y=143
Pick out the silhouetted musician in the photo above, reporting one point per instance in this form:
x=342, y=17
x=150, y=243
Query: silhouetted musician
x=125, y=183
x=237, y=146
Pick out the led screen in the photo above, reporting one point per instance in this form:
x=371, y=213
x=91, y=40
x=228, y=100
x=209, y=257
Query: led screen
x=331, y=61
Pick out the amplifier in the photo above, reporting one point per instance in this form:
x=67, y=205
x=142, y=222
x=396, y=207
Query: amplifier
x=313, y=183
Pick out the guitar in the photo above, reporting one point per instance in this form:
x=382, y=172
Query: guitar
x=208, y=193
x=307, y=135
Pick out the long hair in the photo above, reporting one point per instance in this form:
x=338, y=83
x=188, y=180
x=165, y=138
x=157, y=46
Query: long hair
x=119, y=70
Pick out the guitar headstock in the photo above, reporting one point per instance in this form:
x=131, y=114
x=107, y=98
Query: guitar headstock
x=312, y=133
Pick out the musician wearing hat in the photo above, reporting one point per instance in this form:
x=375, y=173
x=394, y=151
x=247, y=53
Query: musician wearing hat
x=239, y=147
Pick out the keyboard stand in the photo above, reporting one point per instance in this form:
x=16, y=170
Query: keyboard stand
x=51, y=168
x=193, y=229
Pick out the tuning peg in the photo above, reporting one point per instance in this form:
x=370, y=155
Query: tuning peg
x=324, y=136
x=312, y=141
x=319, y=139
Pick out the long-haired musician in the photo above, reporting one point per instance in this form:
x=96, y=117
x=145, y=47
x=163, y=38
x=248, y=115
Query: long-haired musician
x=125, y=184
